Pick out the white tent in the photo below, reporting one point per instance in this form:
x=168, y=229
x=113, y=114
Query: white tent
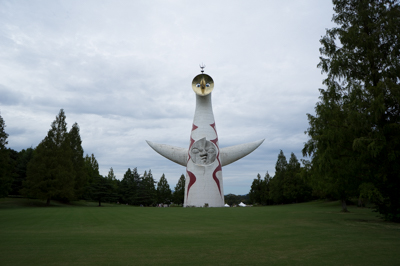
x=226, y=205
x=241, y=204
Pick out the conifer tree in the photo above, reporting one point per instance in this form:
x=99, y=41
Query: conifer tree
x=355, y=132
x=129, y=187
x=255, y=193
x=266, y=190
x=113, y=179
x=278, y=180
x=164, y=194
x=111, y=175
x=92, y=167
x=20, y=169
x=50, y=173
x=5, y=173
x=78, y=161
x=148, y=192
x=292, y=186
x=179, y=191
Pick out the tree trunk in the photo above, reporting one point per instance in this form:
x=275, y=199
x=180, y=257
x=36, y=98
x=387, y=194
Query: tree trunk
x=48, y=202
x=344, y=206
x=360, y=202
x=99, y=203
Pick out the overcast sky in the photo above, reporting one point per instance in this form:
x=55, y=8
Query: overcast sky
x=123, y=70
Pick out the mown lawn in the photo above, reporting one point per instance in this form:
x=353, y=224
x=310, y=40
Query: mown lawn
x=315, y=233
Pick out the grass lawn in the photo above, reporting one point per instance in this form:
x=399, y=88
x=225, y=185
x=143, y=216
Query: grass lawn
x=315, y=233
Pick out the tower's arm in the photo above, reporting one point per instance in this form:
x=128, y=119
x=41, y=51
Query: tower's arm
x=231, y=154
x=176, y=154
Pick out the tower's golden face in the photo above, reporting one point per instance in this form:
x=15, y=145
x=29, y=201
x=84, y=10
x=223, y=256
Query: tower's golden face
x=202, y=84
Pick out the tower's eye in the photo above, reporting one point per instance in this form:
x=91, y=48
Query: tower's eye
x=202, y=84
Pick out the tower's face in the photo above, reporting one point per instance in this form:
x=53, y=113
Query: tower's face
x=202, y=84
x=203, y=152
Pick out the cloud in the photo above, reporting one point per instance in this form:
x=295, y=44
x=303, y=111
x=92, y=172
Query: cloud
x=122, y=70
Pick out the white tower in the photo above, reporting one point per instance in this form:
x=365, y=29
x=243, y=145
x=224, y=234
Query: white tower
x=204, y=159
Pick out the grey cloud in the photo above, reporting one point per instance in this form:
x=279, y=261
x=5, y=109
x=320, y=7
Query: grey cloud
x=123, y=72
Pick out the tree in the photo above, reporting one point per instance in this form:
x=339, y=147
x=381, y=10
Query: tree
x=277, y=182
x=111, y=175
x=20, y=169
x=147, y=190
x=266, y=190
x=50, y=173
x=255, y=193
x=5, y=173
x=91, y=166
x=129, y=187
x=113, y=179
x=164, y=194
x=102, y=189
x=78, y=161
x=292, y=183
x=179, y=191
x=98, y=188
x=355, y=133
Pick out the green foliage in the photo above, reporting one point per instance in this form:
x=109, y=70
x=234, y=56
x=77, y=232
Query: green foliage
x=258, y=193
x=111, y=175
x=91, y=166
x=289, y=184
x=113, y=179
x=295, y=188
x=20, y=170
x=5, y=167
x=355, y=133
x=277, y=183
x=179, y=191
x=129, y=187
x=164, y=194
x=99, y=188
x=147, y=190
x=50, y=173
x=80, y=175
x=102, y=190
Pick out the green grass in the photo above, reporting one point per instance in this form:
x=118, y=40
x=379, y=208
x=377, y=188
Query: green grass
x=314, y=233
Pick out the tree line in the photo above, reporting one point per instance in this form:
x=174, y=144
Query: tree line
x=288, y=185
x=58, y=170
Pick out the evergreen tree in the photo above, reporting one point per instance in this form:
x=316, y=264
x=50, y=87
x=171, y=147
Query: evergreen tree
x=147, y=190
x=102, y=189
x=92, y=167
x=78, y=161
x=5, y=168
x=179, y=191
x=113, y=179
x=292, y=186
x=164, y=194
x=99, y=188
x=277, y=182
x=129, y=187
x=20, y=169
x=255, y=193
x=111, y=175
x=266, y=190
x=355, y=133
x=50, y=173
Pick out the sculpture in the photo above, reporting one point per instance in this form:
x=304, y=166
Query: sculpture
x=204, y=159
